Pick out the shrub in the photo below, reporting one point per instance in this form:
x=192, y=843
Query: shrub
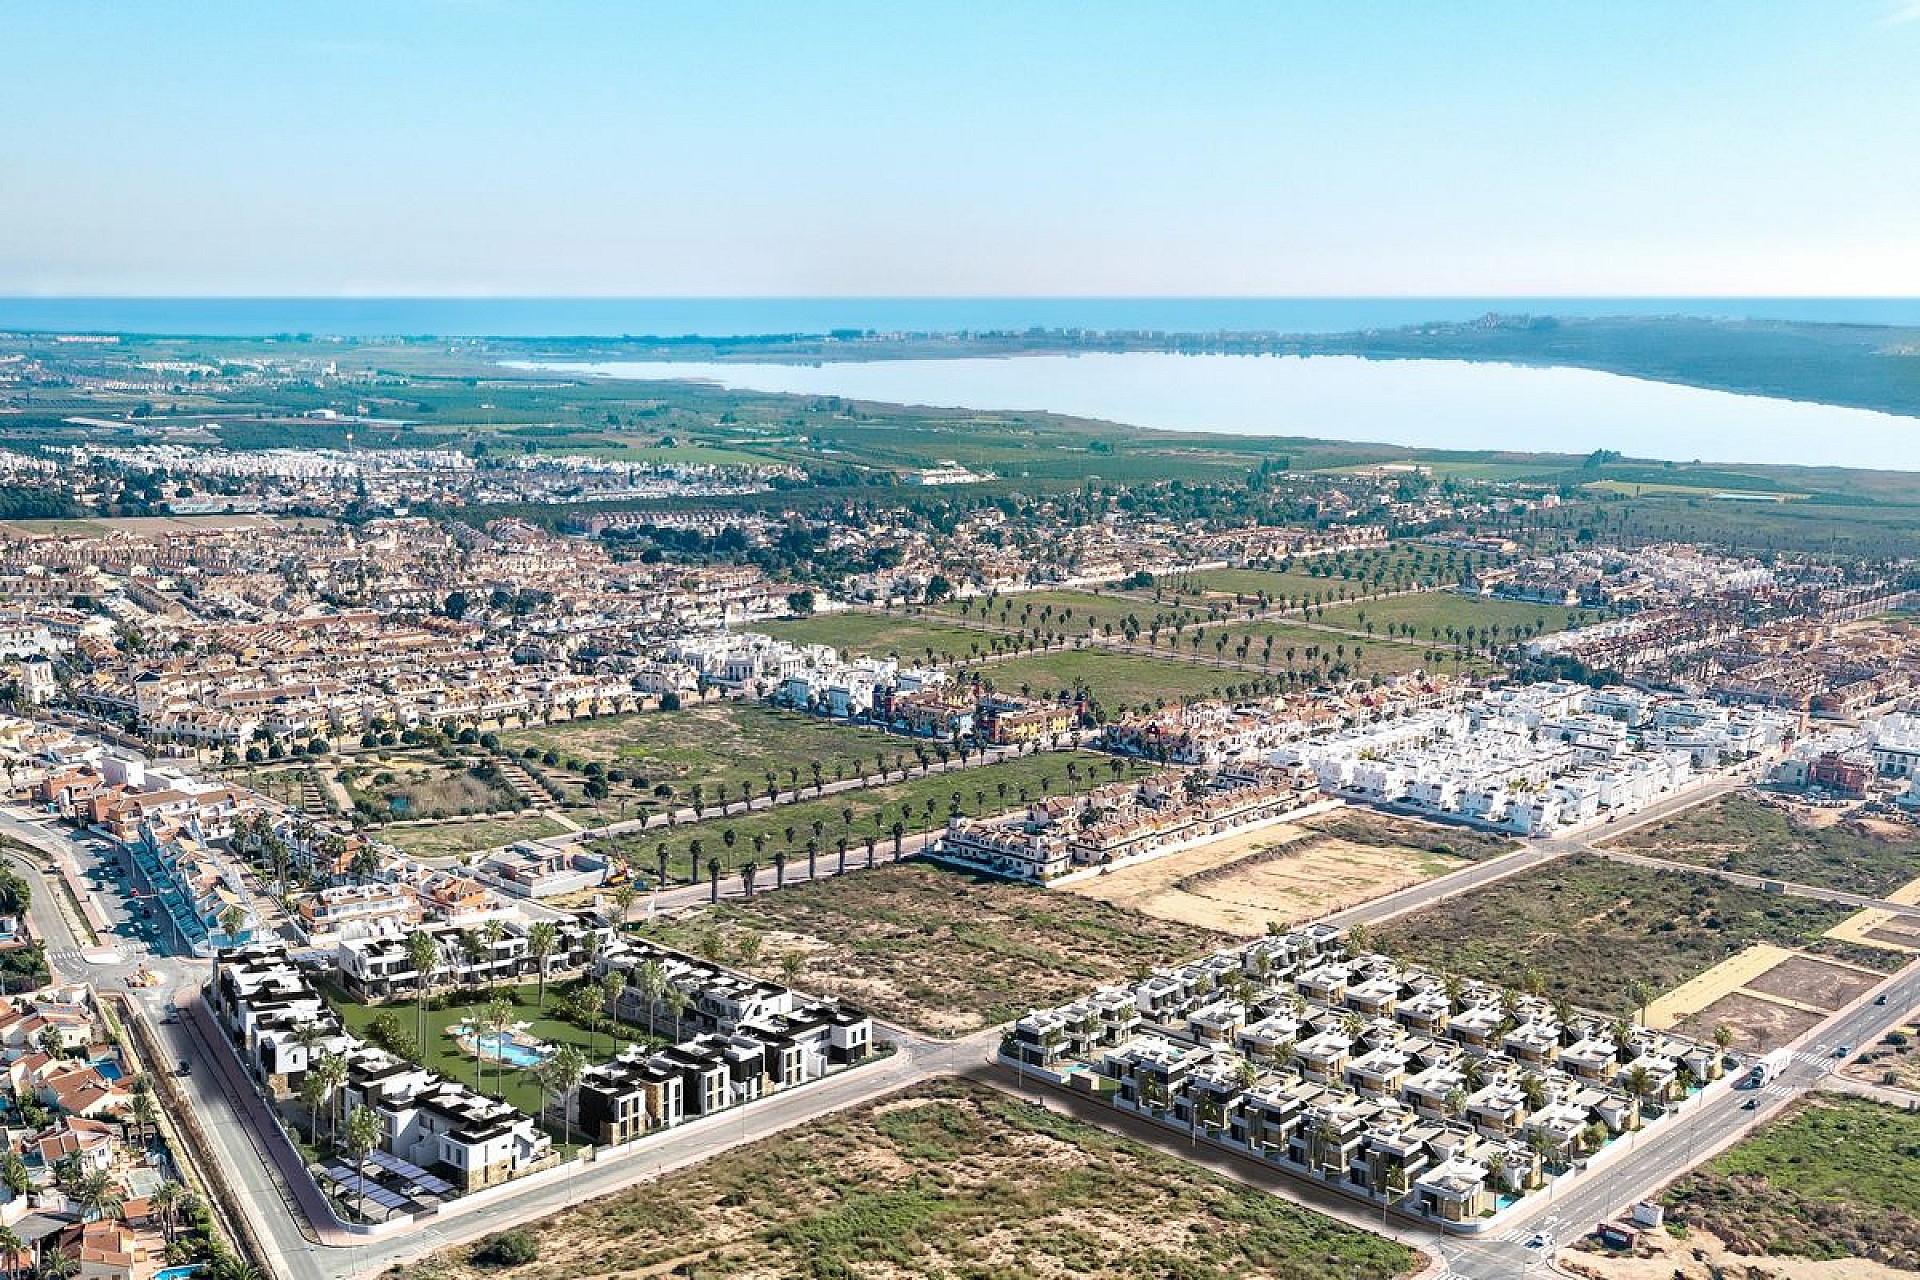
x=506, y=1249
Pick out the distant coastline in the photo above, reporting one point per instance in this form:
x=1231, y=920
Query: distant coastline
x=741, y=317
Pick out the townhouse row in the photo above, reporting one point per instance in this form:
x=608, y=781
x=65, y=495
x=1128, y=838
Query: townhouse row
x=1435, y=1096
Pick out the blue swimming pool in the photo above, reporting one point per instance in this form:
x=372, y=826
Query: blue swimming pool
x=178, y=1273
x=108, y=1069
x=501, y=1047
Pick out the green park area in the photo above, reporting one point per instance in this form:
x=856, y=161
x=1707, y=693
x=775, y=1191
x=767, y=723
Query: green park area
x=919, y=803
x=726, y=748
x=1447, y=616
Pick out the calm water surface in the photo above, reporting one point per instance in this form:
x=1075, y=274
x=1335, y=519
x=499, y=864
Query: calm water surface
x=1435, y=404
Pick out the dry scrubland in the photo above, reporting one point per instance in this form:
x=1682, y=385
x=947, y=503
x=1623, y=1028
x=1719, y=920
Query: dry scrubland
x=938, y=950
x=1816, y=847
x=1590, y=928
x=949, y=1180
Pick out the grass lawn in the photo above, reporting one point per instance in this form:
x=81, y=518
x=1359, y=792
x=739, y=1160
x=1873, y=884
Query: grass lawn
x=1115, y=679
x=1071, y=613
x=948, y=1180
x=941, y=950
x=1835, y=1177
x=1591, y=927
x=1376, y=653
x=1342, y=575
x=735, y=743
x=443, y=1055
x=465, y=837
x=1740, y=833
x=882, y=636
x=920, y=803
x=1433, y=614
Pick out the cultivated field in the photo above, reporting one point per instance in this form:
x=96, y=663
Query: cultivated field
x=939, y=950
x=1287, y=874
x=1591, y=928
x=950, y=1181
x=1833, y=1178
x=1741, y=833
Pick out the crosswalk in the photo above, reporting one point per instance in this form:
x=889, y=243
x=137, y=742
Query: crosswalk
x=1520, y=1235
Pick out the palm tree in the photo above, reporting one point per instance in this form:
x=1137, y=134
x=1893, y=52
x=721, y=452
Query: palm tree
x=494, y=932
x=166, y=1201
x=678, y=1002
x=98, y=1197
x=612, y=986
x=650, y=977
x=424, y=956
x=560, y=1076
x=713, y=879
x=363, y=1135
x=313, y=1094
x=748, y=949
x=146, y=1116
x=623, y=900
x=543, y=939
x=498, y=1019
x=332, y=1070
x=792, y=963
x=12, y=1246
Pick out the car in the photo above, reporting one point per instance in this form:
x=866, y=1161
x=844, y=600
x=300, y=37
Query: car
x=1541, y=1240
x=186, y=1068
x=1751, y=1104
x=1843, y=1051
x=1880, y=999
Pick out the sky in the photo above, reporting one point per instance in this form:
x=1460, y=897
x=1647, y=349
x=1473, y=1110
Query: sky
x=551, y=148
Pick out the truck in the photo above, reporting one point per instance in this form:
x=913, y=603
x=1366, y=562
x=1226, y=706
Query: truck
x=1768, y=1068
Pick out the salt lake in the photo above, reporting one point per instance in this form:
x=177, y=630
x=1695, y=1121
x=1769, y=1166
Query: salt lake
x=1432, y=404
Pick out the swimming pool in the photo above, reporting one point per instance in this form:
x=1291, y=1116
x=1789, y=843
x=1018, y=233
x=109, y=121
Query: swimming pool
x=502, y=1047
x=178, y=1273
x=108, y=1069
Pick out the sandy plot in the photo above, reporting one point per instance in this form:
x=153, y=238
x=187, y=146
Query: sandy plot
x=1701, y=1256
x=1861, y=926
x=1238, y=885
x=1758, y=1024
x=1729, y=975
x=1905, y=938
x=1805, y=980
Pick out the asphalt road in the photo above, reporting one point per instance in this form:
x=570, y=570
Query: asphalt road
x=250, y=1150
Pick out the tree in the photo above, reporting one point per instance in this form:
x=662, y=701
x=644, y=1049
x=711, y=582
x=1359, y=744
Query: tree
x=363, y=1135
x=499, y=1021
x=747, y=949
x=650, y=978
x=332, y=1070
x=424, y=955
x=11, y=1247
x=98, y=1197
x=678, y=1002
x=543, y=939
x=559, y=1076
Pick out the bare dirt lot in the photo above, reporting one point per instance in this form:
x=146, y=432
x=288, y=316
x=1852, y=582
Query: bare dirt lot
x=1898, y=935
x=1702, y=1256
x=1758, y=1025
x=1284, y=874
x=1814, y=982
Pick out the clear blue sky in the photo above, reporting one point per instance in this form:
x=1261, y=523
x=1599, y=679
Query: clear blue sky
x=707, y=148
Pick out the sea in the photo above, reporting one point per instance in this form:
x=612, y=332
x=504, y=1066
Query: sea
x=738, y=317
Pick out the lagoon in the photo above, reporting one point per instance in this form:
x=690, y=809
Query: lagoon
x=1427, y=404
